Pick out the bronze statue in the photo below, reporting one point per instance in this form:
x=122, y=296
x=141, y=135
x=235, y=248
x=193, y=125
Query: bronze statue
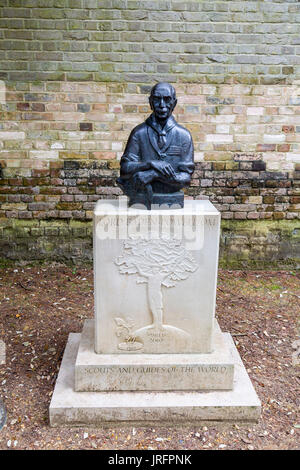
x=159, y=156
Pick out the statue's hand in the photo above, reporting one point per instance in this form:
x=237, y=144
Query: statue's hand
x=164, y=168
x=141, y=178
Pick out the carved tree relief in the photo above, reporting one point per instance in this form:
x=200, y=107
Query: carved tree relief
x=158, y=263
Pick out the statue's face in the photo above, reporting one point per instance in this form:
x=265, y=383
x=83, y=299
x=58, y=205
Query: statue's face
x=162, y=102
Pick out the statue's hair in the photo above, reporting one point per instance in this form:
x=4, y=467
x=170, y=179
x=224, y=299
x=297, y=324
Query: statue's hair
x=173, y=91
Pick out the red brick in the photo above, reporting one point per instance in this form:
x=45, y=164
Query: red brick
x=23, y=106
x=288, y=129
x=103, y=155
x=266, y=148
x=283, y=148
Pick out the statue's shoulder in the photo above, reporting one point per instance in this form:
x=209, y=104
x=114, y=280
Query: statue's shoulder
x=139, y=130
x=185, y=133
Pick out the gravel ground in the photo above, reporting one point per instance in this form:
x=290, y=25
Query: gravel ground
x=41, y=305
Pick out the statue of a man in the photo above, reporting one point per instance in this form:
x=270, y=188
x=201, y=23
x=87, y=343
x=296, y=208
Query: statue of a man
x=159, y=156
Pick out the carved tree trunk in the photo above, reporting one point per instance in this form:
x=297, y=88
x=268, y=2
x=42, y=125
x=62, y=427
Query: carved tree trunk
x=155, y=298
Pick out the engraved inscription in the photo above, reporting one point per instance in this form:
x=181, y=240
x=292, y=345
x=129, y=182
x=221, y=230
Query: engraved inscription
x=156, y=336
x=201, y=369
x=210, y=221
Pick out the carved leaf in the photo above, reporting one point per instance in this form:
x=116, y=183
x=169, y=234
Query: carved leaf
x=178, y=276
x=168, y=283
x=165, y=257
x=121, y=322
x=130, y=322
x=119, y=331
x=128, y=270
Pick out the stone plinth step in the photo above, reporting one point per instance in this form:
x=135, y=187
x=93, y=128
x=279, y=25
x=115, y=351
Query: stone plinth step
x=71, y=408
x=111, y=372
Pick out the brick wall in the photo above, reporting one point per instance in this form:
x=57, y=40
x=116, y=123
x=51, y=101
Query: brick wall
x=75, y=80
x=143, y=41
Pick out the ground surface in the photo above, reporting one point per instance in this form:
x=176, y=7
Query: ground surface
x=40, y=306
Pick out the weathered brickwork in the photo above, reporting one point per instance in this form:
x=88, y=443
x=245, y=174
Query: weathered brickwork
x=70, y=189
x=76, y=75
x=61, y=144
x=144, y=41
x=256, y=244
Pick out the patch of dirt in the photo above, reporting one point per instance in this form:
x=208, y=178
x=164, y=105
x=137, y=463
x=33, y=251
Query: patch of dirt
x=41, y=305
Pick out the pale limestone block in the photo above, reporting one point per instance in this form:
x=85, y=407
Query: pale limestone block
x=248, y=138
x=274, y=91
x=255, y=199
x=2, y=92
x=155, y=278
x=293, y=157
x=209, y=89
x=116, y=146
x=58, y=145
x=255, y=111
x=6, y=135
x=104, y=372
x=198, y=156
x=44, y=154
x=219, y=138
x=222, y=119
x=274, y=138
x=287, y=166
x=71, y=408
x=274, y=166
x=222, y=129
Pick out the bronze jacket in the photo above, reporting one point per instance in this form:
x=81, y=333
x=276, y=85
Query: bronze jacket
x=142, y=146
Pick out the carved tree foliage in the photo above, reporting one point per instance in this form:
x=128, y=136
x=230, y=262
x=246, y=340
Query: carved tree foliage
x=165, y=257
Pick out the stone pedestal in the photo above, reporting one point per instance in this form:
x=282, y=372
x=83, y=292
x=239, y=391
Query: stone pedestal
x=155, y=278
x=154, y=351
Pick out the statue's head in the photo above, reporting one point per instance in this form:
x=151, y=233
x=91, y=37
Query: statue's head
x=162, y=100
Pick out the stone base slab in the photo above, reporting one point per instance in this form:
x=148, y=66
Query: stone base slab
x=70, y=408
x=110, y=372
